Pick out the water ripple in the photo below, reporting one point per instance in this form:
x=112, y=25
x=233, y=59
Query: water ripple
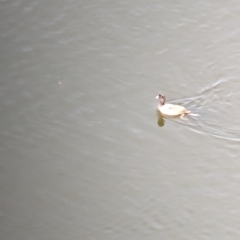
x=217, y=104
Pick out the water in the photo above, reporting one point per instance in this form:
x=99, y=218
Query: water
x=82, y=152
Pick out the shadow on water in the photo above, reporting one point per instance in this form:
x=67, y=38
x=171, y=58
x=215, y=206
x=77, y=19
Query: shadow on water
x=217, y=107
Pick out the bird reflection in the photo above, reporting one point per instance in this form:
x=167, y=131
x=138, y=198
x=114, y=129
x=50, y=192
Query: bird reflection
x=160, y=120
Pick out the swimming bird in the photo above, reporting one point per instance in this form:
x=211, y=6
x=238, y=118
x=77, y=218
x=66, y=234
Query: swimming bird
x=170, y=110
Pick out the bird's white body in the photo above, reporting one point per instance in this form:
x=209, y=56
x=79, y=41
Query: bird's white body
x=172, y=110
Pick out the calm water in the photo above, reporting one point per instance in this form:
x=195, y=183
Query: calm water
x=84, y=154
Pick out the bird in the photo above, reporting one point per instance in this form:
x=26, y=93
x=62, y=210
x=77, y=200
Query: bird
x=170, y=110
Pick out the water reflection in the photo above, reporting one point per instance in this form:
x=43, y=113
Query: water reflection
x=160, y=120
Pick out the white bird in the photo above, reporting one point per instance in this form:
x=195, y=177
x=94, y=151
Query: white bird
x=170, y=110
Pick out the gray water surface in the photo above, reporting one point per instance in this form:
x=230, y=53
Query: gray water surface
x=84, y=154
